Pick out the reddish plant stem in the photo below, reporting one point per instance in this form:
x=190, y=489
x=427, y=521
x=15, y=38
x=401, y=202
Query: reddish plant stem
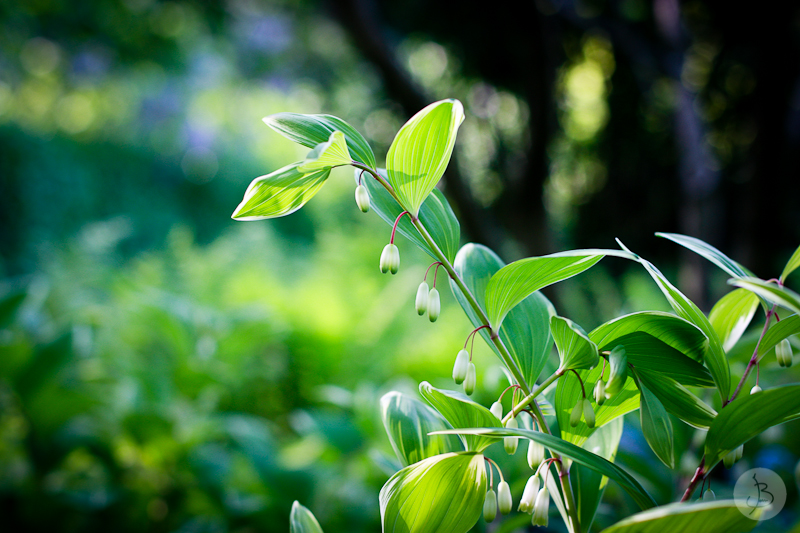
x=754, y=359
x=396, y=222
x=698, y=475
x=583, y=390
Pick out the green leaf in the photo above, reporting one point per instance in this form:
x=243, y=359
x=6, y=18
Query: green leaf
x=792, y=265
x=579, y=455
x=785, y=328
x=302, y=520
x=408, y=422
x=326, y=155
x=513, y=283
x=441, y=494
x=435, y=214
x=715, y=358
x=747, y=416
x=656, y=425
x=771, y=292
x=568, y=393
x=461, y=412
x=526, y=329
x=278, y=194
x=709, y=252
x=421, y=150
x=731, y=315
x=310, y=130
x=587, y=484
x=721, y=516
x=575, y=349
x=658, y=342
x=677, y=399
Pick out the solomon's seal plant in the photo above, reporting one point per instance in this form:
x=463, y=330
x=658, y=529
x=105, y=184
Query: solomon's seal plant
x=668, y=366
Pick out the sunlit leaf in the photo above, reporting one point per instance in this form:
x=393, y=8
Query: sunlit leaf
x=771, y=292
x=721, y=516
x=589, y=485
x=747, y=416
x=278, y=194
x=462, y=412
x=658, y=342
x=526, y=329
x=575, y=349
x=408, y=422
x=785, y=328
x=568, y=393
x=731, y=315
x=514, y=282
x=577, y=454
x=435, y=214
x=677, y=399
x=709, y=252
x=715, y=358
x=441, y=494
x=421, y=150
x=302, y=520
x=656, y=425
x=310, y=130
x=326, y=155
x=791, y=265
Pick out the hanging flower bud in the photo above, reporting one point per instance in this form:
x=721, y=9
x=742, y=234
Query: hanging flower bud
x=588, y=413
x=433, y=305
x=421, y=302
x=733, y=456
x=541, y=508
x=739, y=452
x=490, y=506
x=390, y=259
x=470, y=380
x=504, y=500
x=600, y=392
x=619, y=371
x=535, y=454
x=575, y=417
x=510, y=443
x=497, y=410
x=461, y=366
x=362, y=198
x=709, y=496
x=755, y=389
x=783, y=352
x=529, y=495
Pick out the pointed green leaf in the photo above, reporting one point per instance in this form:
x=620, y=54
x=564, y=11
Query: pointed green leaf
x=658, y=342
x=441, y=494
x=574, y=347
x=709, y=252
x=715, y=358
x=747, y=416
x=791, y=265
x=278, y=194
x=408, y=422
x=656, y=425
x=435, y=214
x=731, y=315
x=513, y=283
x=526, y=329
x=677, y=399
x=421, y=151
x=770, y=291
x=302, y=520
x=579, y=455
x=568, y=393
x=326, y=155
x=587, y=484
x=460, y=411
x=785, y=328
x=310, y=130
x=721, y=516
